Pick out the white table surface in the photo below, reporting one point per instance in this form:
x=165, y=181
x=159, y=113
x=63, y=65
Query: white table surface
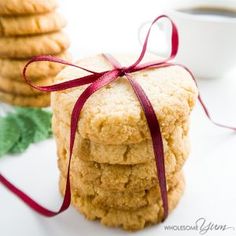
x=111, y=26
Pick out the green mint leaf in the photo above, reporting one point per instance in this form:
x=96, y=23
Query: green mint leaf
x=27, y=132
x=42, y=121
x=21, y=128
x=9, y=134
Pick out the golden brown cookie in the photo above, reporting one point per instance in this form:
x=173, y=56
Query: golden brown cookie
x=127, y=219
x=27, y=101
x=176, y=147
x=113, y=177
x=113, y=114
x=13, y=68
x=29, y=46
x=31, y=24
x=21, y=87
x=22, y=7
x=120, y=200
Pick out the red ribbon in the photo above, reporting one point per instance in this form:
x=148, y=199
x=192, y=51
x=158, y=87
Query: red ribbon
x=96, y=81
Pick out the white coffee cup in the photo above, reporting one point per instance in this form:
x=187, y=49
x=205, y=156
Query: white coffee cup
x=207, y=44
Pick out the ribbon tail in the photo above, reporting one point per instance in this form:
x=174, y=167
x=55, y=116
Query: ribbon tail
x=154, y=130
x=201, y=100
x=32, y=203
x=98, y=84
x=157, y=142
x=204, y=107
x=209, y=116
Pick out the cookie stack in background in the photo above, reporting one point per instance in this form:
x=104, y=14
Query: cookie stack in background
x=29, y=28
x=113, y=171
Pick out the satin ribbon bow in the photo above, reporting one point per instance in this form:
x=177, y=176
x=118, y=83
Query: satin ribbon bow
x=96, y=81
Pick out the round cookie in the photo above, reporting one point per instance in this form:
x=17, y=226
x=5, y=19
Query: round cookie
x=176, y=147
x=13, y=68
x=116, y=178
x=21, y=87
x=22, y=7
x=29, y=46
x=31, y=24
x=127, y=219
x=120, y=200
x=113, y=114
x=27, y=101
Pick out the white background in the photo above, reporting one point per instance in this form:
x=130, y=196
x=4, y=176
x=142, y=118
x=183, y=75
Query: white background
x=112, y=26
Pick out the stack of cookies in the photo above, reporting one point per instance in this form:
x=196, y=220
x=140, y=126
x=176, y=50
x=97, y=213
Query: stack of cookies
x=29, y=28
x=113, y=172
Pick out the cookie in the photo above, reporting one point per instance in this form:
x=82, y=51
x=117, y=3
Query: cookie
x=26, y=101
x=29, y=46
x=31, y=24
x=127, y=219
x=22, y=7
x=21, y=87
x=116, y=178
x=113, y=114
x=13, y=68
x=120, y=200
x=176, y=147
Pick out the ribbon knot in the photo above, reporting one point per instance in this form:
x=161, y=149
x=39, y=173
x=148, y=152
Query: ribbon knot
x=122, y=71
x=95, y=81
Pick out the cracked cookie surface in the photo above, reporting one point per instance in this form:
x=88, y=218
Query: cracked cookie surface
x=176, y=148
x=113, y=114
x=128, y=200
x=127, y=219
x=113, y=177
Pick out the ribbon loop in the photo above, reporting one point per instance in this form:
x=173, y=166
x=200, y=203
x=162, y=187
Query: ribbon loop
x=174, y=43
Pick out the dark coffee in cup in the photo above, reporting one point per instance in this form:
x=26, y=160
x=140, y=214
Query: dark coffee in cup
x=210, y=11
